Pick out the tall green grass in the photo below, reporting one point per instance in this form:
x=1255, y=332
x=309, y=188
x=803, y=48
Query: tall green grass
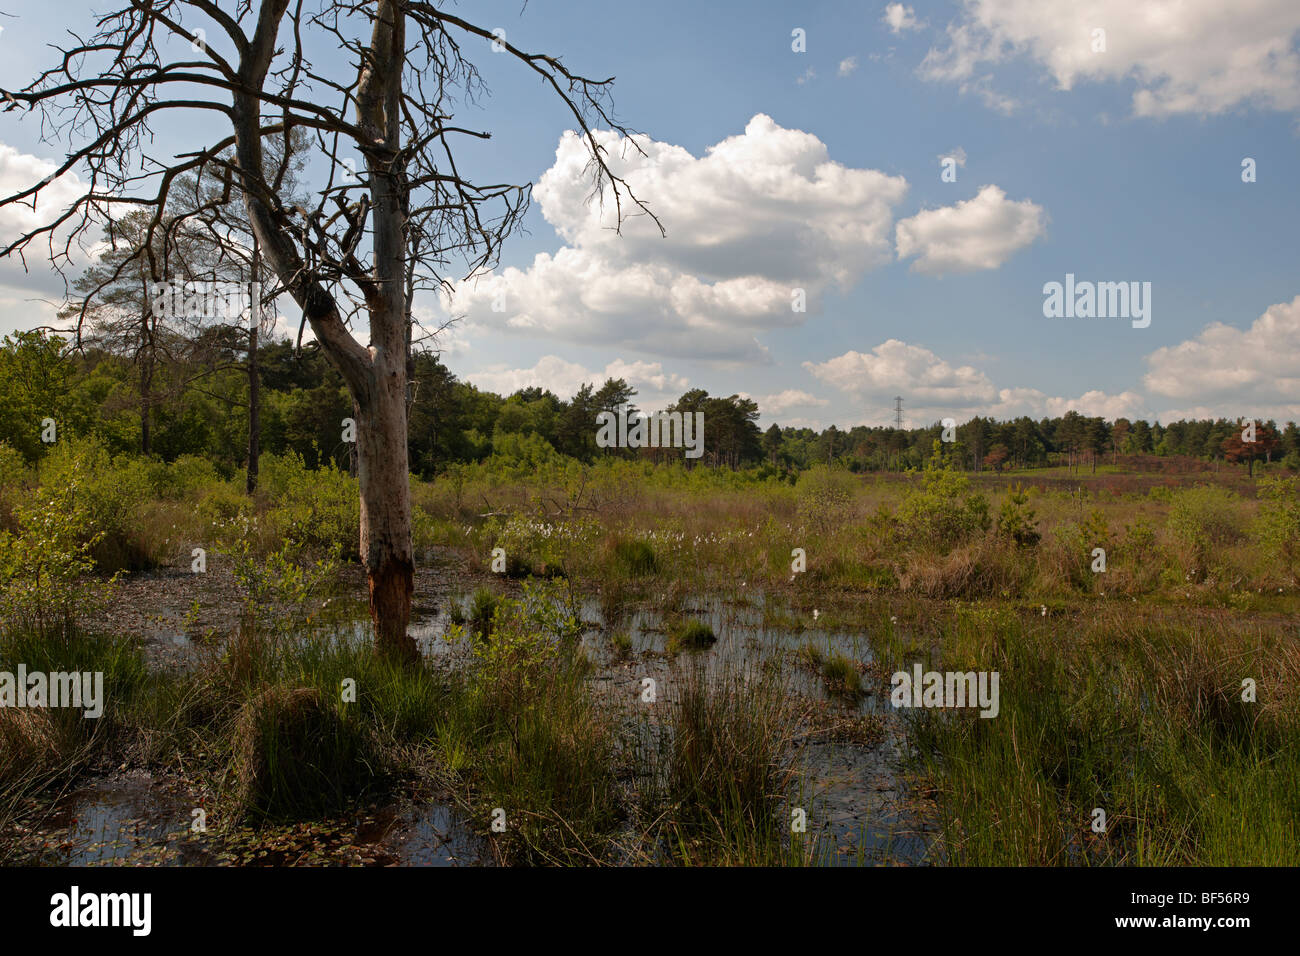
x=1139, y=717
x=723, y=769
x=45, y=749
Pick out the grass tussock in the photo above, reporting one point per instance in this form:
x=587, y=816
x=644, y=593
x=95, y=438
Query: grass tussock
x=840, y=674
x=296, y=756
x=689, y=635
x=633, y=557
x=730, y=769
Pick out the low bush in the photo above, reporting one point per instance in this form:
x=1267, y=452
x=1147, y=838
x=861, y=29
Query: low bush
x=943, y=513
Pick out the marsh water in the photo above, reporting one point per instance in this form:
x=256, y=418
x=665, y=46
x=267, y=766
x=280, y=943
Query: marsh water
x=857, y=806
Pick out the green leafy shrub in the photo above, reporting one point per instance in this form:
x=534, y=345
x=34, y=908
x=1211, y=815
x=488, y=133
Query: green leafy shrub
x=111, y=493
x=279, y=586
x=942, y=513
x=1141, y=561
x=1279, y=521
x=1017, y=520
x=43, y=564
x=518, y=639
x=13, y=478
x=1204, y=520
x=186, y=477
x=321, y=508
x=520, y=454
x=825, y=497
x=1076, y=541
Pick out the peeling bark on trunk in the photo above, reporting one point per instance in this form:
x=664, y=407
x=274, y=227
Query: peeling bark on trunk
x=384, y=477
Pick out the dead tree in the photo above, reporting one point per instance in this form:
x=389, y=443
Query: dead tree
x=388, y=96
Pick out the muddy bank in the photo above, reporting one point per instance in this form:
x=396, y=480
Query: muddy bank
x=172, y=610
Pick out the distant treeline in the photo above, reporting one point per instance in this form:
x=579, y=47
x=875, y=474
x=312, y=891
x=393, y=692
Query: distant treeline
x=194, y=400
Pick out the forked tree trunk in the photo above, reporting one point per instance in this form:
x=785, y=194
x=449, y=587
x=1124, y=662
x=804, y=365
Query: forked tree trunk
x=376, y=376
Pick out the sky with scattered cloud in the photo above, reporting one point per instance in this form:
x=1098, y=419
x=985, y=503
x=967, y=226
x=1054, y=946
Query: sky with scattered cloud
x=815, y=257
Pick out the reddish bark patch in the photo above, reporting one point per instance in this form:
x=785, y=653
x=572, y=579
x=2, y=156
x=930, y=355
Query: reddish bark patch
x=391, y=586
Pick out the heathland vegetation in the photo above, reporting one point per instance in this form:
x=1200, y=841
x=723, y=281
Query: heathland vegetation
x=636, y=661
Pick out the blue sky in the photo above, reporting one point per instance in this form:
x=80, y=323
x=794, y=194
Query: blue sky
x=1122, y=164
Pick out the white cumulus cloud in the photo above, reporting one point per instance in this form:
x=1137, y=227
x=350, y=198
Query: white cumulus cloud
x=1185, y=56
x=654, y=386
x=20, y=171
x=979, y=233
x=933, y=388
x=898, y=366
x=790, y=398
x=956, y=154
x=1223, y=372
x=757, y=217
x=1235, y=372
x=899, y=18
